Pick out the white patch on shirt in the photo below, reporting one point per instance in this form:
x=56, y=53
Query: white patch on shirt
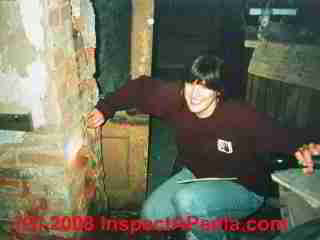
x=224, y=146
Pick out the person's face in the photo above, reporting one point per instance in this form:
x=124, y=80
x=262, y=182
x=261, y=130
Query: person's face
x=199, y=98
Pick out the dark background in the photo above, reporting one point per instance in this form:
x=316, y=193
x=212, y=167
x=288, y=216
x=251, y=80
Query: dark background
x=183, y=30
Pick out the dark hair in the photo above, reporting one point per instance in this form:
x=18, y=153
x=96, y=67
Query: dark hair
x=207, y=68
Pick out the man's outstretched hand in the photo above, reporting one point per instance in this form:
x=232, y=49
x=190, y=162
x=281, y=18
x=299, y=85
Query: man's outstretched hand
x=304, y=156
x=95, y=119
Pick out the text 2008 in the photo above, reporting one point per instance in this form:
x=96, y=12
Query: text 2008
x=73, y=223
x=59, y=223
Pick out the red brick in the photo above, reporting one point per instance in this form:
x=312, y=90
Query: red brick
x=91, y=52
x=40, y=159
x=4, y=182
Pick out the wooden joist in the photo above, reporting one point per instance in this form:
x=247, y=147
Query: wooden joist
x=17, y=122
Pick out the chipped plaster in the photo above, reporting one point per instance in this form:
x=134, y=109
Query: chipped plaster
x=27, y=92
x=15, y=49
x=22, y=70
x=31, y=13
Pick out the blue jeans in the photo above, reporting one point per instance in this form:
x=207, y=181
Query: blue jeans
x=207, y=200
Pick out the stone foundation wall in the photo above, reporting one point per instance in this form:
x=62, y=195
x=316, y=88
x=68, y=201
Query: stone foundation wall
x=46, y=69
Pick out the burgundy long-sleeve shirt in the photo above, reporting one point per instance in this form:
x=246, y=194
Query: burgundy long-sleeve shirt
x=225, y=144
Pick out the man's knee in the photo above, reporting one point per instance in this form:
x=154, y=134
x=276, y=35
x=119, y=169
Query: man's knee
x=152, y=209
x=183, y=200
x=147, y=211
